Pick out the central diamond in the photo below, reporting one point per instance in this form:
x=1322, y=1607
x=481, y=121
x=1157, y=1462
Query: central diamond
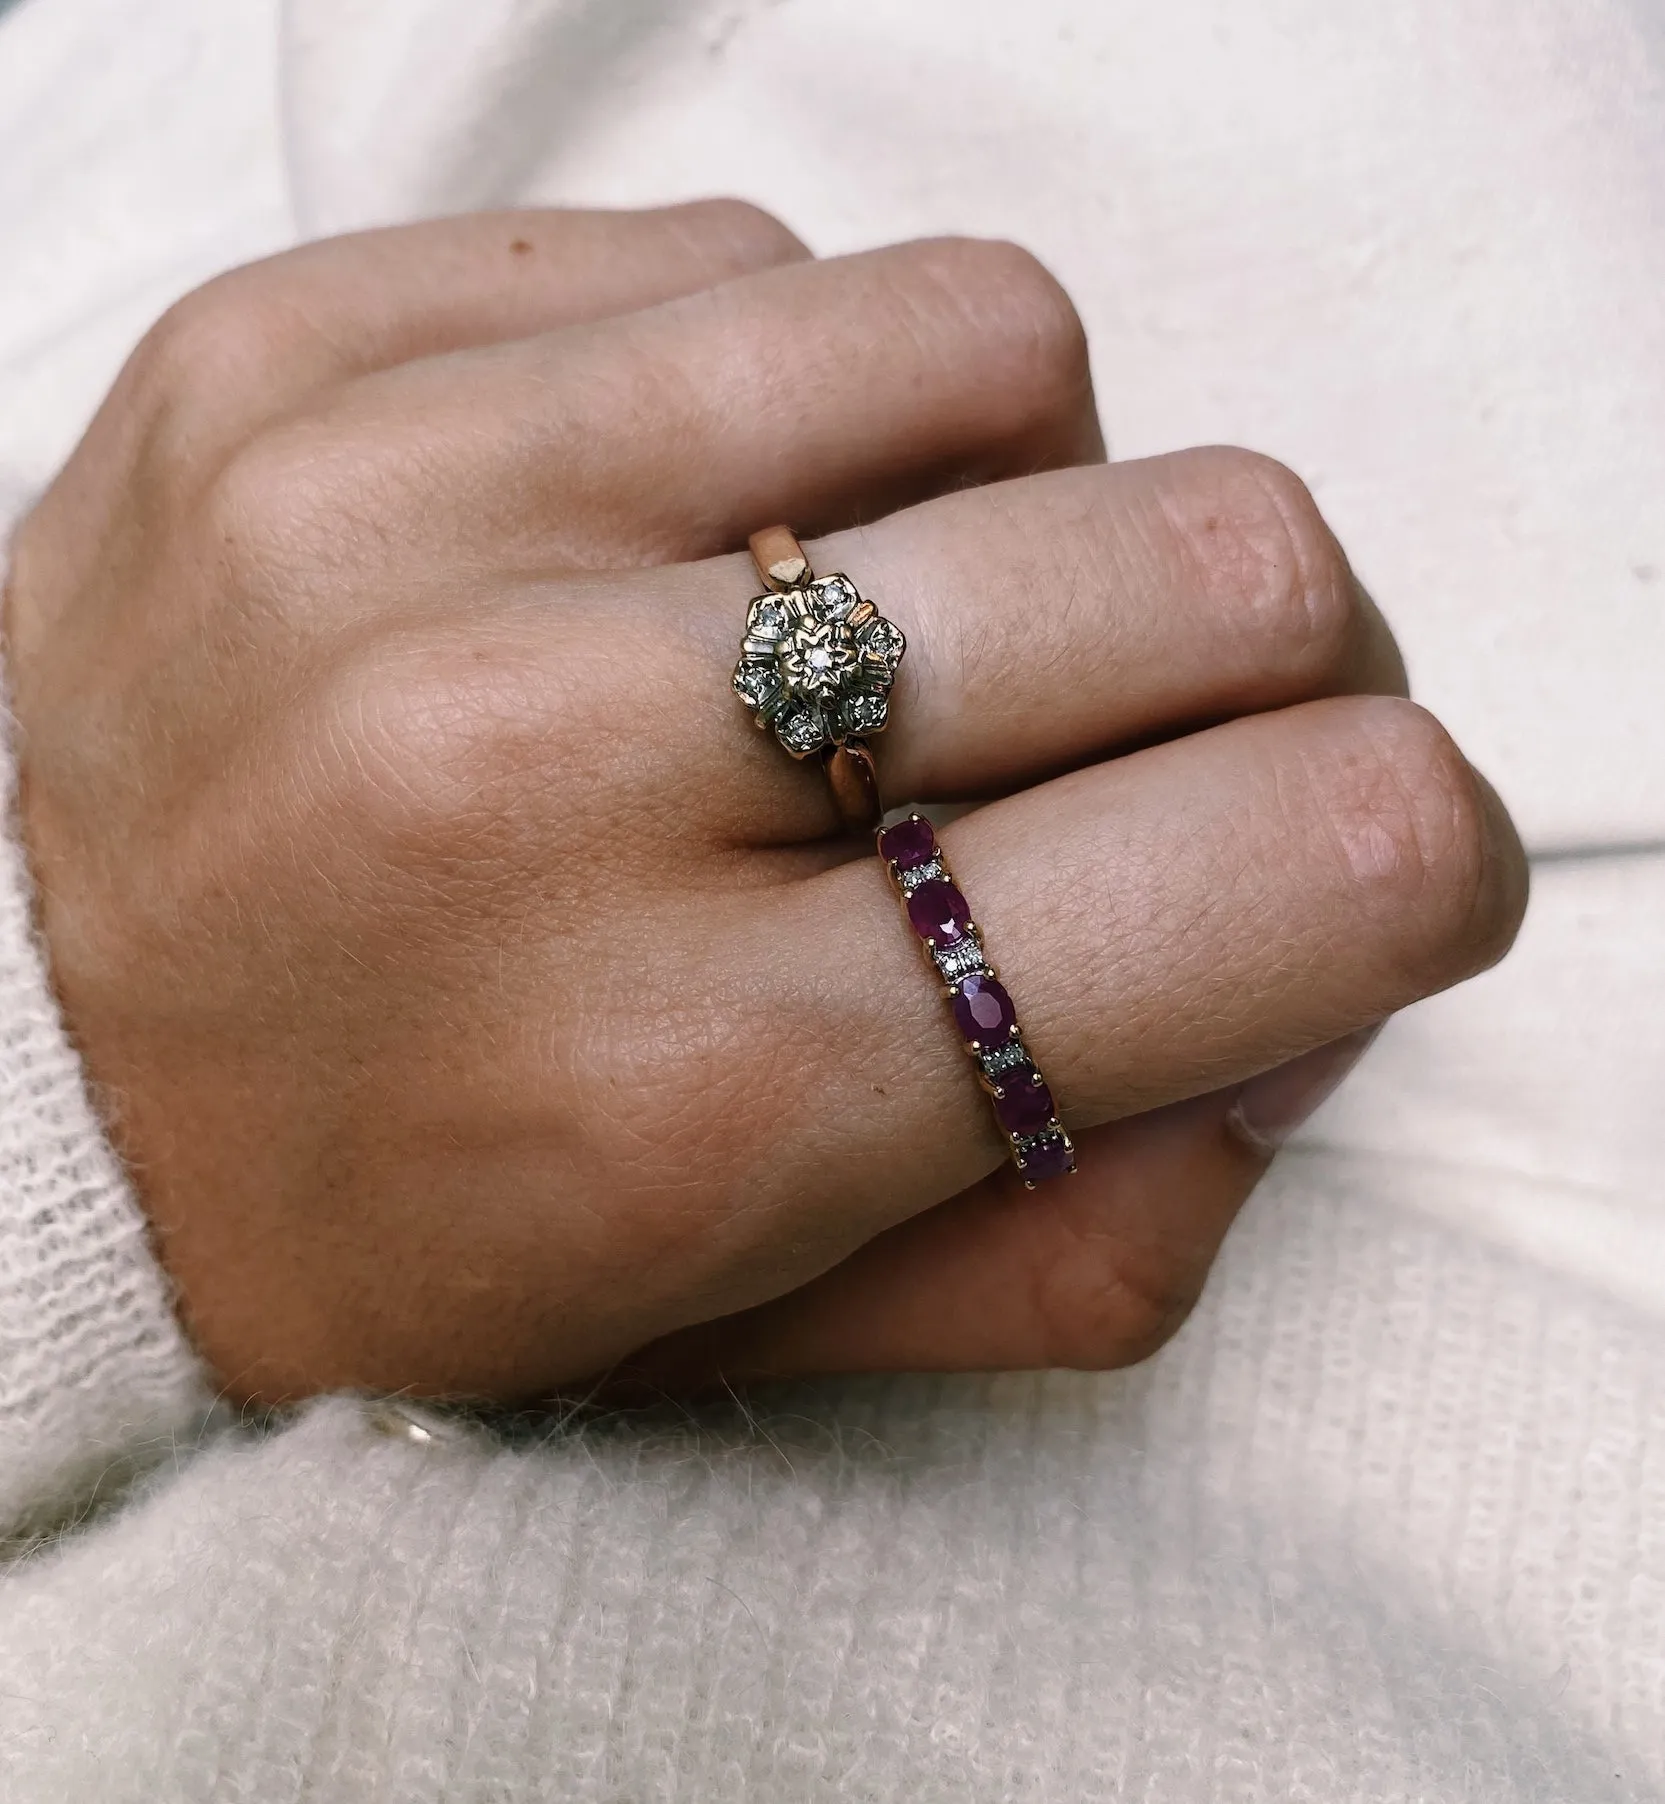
x=818, y=658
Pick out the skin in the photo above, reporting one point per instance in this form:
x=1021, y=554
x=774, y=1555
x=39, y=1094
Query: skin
x=484, y=1008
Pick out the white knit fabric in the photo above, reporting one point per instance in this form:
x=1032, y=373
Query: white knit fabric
x=93, y=1369
x=1387, y=1521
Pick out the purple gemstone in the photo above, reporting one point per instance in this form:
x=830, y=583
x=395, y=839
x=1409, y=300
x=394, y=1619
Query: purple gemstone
x=984, y=1011
x=939, y=912
x=1023, y=1105
x=908, y=843
x=1048, y=1158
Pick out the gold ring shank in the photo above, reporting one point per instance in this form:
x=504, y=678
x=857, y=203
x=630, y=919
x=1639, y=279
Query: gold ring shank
x=855, y=785
x=779, y=557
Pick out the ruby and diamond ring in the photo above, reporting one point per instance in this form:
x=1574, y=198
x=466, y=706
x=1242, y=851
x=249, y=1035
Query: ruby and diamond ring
x=983, y=1011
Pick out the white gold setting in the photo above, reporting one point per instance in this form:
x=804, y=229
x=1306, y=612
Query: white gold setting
x=960, y=958
x=817, y=663
x=909, y=881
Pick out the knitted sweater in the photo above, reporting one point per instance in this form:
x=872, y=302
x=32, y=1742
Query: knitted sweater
x=1387, y=1520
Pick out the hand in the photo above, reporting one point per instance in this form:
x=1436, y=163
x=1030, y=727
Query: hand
x=478, y=999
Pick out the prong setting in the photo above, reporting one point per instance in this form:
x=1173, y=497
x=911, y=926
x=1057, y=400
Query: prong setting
x=817, y=662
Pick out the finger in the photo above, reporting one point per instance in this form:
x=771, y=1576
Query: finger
x=1053, y=621
x=1168, y=924
x=1056, y=620
x=254, y=343
x=821, y=393
x=1093, y=1273
x=1090, y=1274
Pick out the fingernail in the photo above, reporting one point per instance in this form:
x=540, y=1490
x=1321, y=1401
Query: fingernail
x=1269, y=1108
x=1504, y=882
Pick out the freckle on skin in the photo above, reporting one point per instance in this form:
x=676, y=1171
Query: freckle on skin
x=521, y=246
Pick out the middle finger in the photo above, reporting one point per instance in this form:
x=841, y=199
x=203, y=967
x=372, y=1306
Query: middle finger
x=1051, y=621
x=822, y=393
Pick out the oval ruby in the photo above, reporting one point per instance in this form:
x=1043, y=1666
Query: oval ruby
x=983, y=1011
x=1024, y=1104
x=939, y=912
x=1048, y=1158
x=909, y=843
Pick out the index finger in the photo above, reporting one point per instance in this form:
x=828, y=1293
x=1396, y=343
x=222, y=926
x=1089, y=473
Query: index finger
x=254, y=343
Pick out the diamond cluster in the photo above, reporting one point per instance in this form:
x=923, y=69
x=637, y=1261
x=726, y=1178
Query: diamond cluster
x=817, y=664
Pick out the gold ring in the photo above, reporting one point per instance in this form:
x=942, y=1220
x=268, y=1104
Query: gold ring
x=816, y=664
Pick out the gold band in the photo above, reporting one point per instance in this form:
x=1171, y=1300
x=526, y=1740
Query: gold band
x=779, y=557
x=855, y=785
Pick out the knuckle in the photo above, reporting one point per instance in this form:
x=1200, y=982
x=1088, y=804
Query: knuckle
x=1098, y=1303
x=446, y=737
x=418, y=737
x=1411, y=824
x=268, y=506
x=1018, y=305
x=299, y=507
x=743, y=235
x=215, y=340
x=1257, y=543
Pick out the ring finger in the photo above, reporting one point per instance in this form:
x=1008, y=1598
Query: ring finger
x=1051, y=621
x=1061, y=618
x=1168, y=924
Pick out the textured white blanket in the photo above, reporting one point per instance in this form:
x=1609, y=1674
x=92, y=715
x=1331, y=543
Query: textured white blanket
x=1386, y=1522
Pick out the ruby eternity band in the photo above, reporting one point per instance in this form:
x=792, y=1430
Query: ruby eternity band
x=982, y=1008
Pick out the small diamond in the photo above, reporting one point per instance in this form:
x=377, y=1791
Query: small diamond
x=882, y=643
x=863, y=712
x=757, y=684
x=960, y=957
x=837, y=597
x=1003, y=1058
x=921, y=873
x=768, y=618
x=818, y=661
x=801, y=730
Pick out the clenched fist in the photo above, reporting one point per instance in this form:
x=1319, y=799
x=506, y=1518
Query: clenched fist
x=481, y=1005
